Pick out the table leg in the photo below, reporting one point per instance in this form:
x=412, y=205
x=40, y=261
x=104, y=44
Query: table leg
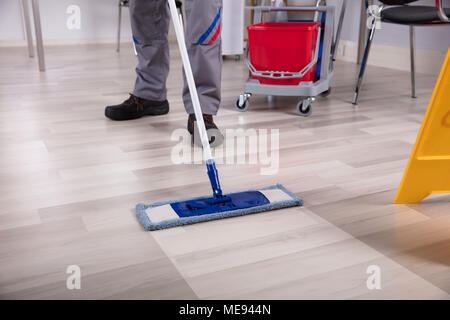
x=26, y=19
x=38, y=30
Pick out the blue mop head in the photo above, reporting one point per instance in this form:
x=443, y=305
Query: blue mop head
x=167, y=214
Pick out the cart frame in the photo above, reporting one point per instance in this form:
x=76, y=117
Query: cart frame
x=308, y=90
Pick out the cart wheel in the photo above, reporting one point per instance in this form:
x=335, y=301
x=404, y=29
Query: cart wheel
x=304, y=107
x=242, y=103
x=326, y=93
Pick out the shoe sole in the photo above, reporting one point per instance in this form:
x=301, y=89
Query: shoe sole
x=152, y=111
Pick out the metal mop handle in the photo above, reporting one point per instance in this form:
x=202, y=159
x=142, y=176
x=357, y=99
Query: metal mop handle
x=210, y=164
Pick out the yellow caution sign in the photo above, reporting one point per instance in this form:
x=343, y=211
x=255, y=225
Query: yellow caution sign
x=428, y=169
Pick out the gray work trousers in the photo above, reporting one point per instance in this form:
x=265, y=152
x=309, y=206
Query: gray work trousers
x=150, y=21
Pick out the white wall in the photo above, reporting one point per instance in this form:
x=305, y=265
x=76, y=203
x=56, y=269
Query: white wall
x=98, y=20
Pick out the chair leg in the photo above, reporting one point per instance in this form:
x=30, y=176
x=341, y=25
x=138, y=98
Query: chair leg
x=119, y=24
x=364, y=62
x=413, y=58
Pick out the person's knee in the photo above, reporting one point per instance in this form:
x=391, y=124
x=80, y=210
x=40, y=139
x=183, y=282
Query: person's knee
x=149, y=21
x=204, y=19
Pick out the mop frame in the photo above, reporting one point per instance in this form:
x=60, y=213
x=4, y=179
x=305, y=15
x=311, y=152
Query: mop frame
x=308, y=90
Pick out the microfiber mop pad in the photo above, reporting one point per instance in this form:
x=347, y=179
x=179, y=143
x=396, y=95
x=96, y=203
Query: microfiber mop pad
x=167, y=214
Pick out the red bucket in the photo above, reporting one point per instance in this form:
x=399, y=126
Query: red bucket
x=283, y=46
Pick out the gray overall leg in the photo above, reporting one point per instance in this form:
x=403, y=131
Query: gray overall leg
x=204, y=45
x=150, y=21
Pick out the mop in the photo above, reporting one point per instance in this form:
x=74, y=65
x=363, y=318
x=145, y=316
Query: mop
x=174, y=213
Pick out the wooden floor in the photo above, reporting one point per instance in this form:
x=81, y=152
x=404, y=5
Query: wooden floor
x=69, y=181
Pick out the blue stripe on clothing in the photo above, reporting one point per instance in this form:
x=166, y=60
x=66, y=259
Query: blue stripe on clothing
x=210, y=29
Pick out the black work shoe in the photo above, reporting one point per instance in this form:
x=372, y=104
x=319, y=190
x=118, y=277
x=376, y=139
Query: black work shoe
x=135, y=107
x=214, y=136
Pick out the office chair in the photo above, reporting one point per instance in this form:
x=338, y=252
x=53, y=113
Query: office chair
x=399, y=12
x=126, y=3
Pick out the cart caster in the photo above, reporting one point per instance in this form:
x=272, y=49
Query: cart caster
x=242, y=103
x=304, y=107
x=326, y=93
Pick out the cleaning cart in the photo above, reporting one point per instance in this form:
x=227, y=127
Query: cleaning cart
x=292, y=58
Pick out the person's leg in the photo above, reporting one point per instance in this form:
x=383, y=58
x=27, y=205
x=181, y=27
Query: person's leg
x=150, y=21
x=204, y=44
x=150, y=26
